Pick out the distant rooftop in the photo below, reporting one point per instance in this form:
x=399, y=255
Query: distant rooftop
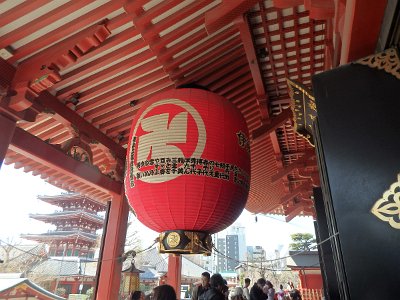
x=303, y=259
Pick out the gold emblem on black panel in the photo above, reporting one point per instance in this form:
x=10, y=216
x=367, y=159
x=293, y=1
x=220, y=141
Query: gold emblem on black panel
x=387, y=208
x=173, y=239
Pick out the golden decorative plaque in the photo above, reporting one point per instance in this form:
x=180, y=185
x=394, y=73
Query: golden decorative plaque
x=173, y=239
x=387, y=208
x=304, y=109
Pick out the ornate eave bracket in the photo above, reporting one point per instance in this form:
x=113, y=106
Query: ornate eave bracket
x=388, y=60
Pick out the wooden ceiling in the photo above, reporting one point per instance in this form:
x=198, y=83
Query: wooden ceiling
x=76, y=72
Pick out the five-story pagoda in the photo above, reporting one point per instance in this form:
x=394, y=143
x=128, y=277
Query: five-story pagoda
x=76, y=225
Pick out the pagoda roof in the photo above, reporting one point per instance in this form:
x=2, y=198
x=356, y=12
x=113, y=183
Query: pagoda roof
x=104, y=59
x=68, y=197
x=61, y=235
x=68, y=215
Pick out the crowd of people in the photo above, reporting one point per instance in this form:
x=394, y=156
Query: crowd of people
x=215, y=288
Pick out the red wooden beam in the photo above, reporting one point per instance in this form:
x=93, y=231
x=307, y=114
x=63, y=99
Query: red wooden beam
x=275, y=122
x=362, y=24
x=49, y=101
x=320, y=9
x=20, y=10
x=109, y=275
x=6, y=133
x=174, y=272
x=226, y=13
x=65, y=30
x=47, y=155
x=247, y=39
x=302, y=188
x=300, y=163
x=41, y=22
x=297, y=209
x=94, y=79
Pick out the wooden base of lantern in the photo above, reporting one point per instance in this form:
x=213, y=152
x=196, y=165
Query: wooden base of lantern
x=185, y=242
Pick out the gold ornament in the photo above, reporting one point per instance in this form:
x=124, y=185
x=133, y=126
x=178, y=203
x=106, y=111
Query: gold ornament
x=387, y=208
x=387, y=60
x=173, y=239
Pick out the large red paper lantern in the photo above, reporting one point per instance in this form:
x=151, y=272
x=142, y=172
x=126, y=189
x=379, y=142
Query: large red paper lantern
x=188, y=163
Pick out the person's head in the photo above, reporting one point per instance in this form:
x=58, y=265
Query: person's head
x=281, y=287
x=164, y=292
x=205, y=279
x=269, y=284
x=246, y=282
x=236, y=294
x=217, y=282
x=261, y=282
x=137, y=295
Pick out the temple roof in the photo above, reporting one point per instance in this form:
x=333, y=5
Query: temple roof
x=66, y=266
x=88, y=68
x=303, y=259
x=13, y=281
x=61, y=235
x=62, y=199
x=69, y=215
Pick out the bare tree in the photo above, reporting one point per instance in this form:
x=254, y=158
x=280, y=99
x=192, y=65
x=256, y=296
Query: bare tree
x=20, y=258
x=132, y=240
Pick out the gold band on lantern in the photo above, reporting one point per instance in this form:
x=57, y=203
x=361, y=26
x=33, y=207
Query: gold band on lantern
x=185, y=242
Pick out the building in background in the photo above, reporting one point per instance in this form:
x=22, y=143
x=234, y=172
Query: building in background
x=258, y=254
x=249, y=253
x=232, y=252
x=231, y=246
x=221, y=258
x=69, y=266
x=240, y=231
x=76, y=225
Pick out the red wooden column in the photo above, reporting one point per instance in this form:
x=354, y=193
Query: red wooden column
x=113, y=247
x=174, y=273
x=6, y=133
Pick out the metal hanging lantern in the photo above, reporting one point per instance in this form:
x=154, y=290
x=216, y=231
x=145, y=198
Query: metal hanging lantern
x=130, y=279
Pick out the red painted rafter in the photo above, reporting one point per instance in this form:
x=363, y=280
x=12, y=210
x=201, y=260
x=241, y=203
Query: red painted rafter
x=252, y=59
x=216, y=69
x=111, y=115
x=120, y=91
x=109, y=58
x=151, y=33
x=42, y=21
x=20, y=10
x=65, y=30
x=142, y=18
x=125, y=78
x=166, y=57
x=49, y=101
x=101, y=76
x=275, y=123
x=204, y=59
x=34, y=148
x=106, y=108
x=294, y=211
x=302, y=188
x=226, y=13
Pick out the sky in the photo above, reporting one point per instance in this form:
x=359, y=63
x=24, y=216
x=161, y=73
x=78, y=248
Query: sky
x=18, y=198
